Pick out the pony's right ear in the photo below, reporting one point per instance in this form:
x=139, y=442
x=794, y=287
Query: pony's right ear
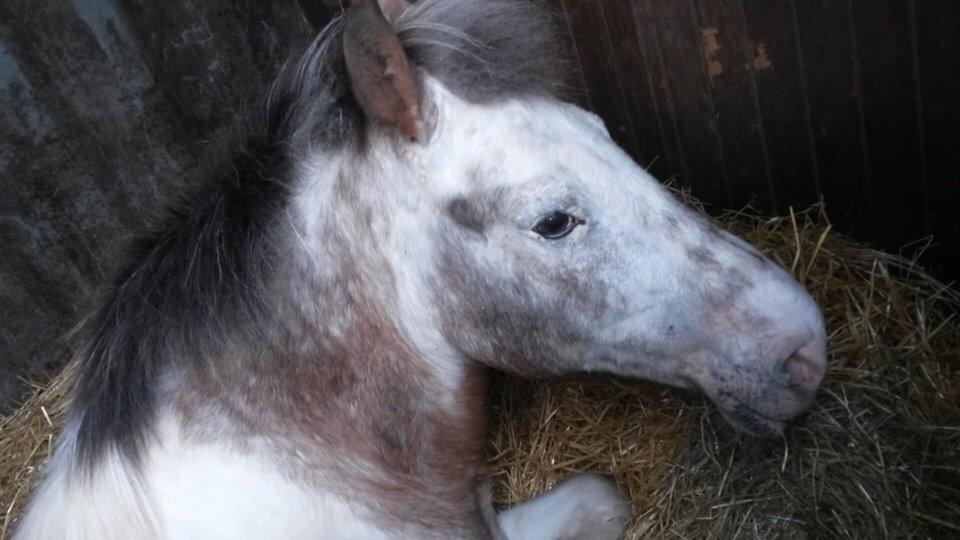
x=381, y=76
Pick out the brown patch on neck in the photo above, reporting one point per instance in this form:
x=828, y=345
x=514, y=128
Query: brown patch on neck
x=349, y=404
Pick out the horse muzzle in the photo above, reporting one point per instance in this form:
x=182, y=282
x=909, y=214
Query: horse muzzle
x=759, y=397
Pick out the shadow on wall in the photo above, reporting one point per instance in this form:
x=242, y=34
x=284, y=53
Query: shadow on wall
x=105, y=105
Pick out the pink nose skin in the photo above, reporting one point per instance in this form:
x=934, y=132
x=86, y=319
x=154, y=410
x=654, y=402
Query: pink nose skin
x=804, y=369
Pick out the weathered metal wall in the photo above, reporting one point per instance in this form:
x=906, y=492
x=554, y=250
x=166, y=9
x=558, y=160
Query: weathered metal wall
x=103, y=106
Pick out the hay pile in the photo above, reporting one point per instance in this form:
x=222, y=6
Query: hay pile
x=27, y=438
x=878, y=454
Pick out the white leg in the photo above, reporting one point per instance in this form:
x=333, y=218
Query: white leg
x=583, y=506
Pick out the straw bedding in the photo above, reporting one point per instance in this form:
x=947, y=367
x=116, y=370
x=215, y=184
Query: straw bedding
x=877, y=455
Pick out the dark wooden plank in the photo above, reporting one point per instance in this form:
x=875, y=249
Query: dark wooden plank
x=318, y=13
x=598, y=62
x=938, y=47
x=579, y=93
x=729, y=61
x=888, y=95
x=633, y=75
x=782, y=99
x=832, y=76
x=689, y=90
x=648, y=38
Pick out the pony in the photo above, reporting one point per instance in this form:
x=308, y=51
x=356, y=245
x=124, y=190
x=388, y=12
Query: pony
x=302, y=347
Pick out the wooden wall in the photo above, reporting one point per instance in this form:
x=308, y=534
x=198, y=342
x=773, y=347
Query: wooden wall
x=777, y=103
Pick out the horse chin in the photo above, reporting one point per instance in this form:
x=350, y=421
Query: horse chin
x=743, y=418
x=753, y=423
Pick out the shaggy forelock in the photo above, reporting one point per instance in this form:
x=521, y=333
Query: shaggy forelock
x=482, y=50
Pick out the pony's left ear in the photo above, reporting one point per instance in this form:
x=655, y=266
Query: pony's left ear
x=381, y=77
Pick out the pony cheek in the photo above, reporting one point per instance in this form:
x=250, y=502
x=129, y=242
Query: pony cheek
x=503, y=327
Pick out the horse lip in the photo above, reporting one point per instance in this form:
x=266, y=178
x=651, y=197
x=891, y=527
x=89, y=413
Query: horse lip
x=751, y=422
x=743, y=418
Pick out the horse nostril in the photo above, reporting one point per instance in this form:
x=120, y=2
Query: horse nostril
x=805, y=368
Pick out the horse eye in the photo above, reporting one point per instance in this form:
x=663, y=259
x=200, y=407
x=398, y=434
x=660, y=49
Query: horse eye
x=556, y=225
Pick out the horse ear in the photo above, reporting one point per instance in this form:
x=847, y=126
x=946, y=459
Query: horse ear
x=381, y=77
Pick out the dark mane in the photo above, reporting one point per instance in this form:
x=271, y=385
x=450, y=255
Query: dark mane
x=198, y=283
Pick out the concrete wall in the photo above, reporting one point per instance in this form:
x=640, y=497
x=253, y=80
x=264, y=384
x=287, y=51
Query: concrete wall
x=105, y=105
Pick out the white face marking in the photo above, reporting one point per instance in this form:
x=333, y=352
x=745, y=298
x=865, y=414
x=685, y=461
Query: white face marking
x=641, y=286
